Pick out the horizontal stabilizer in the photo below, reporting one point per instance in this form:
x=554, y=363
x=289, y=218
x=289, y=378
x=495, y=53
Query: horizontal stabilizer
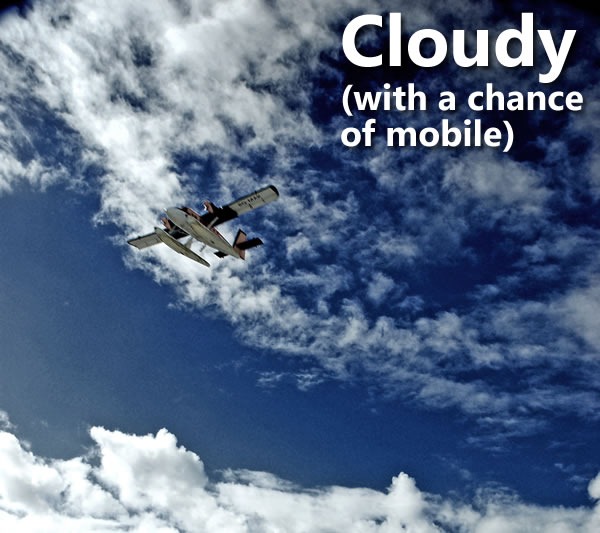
x=249, y=244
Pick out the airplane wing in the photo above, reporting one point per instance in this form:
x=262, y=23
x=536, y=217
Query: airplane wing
x=145, y=240
x=218, y=215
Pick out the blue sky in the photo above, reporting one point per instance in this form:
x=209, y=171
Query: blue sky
x=415, y=344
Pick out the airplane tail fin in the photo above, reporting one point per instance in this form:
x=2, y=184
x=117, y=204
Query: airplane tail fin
x=241, y=243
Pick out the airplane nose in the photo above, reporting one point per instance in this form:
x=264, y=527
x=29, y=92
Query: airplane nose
x=172, y=213
x=175, y=215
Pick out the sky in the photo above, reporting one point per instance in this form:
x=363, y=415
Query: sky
x=416, y=345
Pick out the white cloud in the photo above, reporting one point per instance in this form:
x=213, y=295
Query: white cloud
x=580, y=309
x=594, y=488
x=150, y=483
x=379, y=287
x=490, y=178
x=5, y=422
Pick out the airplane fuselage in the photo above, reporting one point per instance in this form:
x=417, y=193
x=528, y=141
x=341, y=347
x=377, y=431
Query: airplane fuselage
x=183, y=226
x=194, y=227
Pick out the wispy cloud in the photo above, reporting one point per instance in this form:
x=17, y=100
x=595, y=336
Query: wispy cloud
x=416, y=268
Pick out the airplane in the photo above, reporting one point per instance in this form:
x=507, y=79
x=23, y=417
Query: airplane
x=182, y=222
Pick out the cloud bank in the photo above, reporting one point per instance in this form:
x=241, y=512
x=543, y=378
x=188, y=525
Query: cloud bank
x=435, y=275
x=150, y=483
